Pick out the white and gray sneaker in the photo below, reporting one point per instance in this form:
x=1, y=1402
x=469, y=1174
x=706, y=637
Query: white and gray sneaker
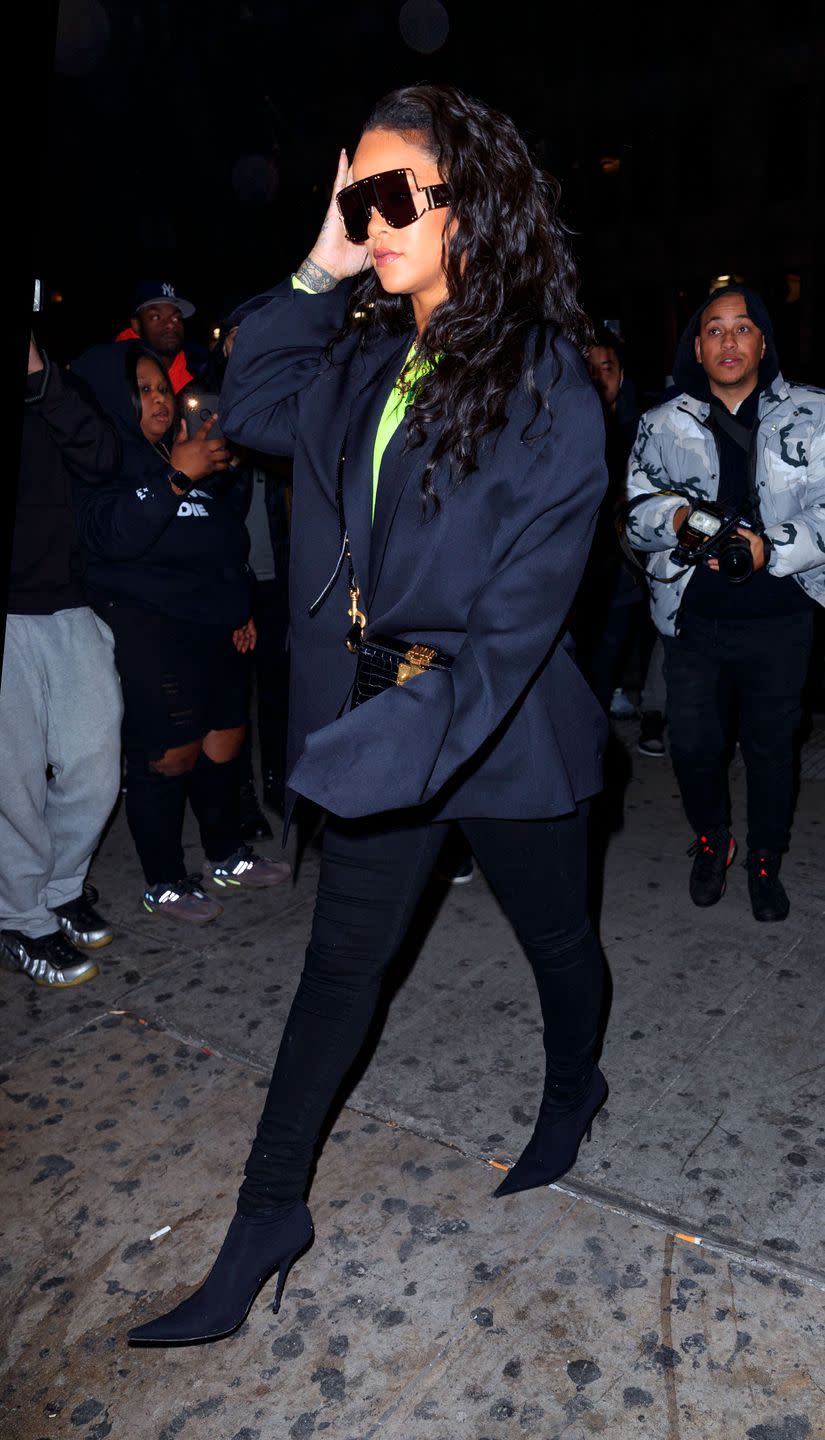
x=183, y=900
x=246, y=870
x=46, y=959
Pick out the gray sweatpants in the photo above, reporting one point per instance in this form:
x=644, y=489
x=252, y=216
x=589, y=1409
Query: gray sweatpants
x=60, y=705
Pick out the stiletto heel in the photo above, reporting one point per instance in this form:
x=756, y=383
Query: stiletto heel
x=254, y=1248
x=554, y=1144
x=283, y=1271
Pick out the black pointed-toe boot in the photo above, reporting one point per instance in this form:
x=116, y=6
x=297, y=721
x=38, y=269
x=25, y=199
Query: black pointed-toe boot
x=554, y=1145
x=254, y=1248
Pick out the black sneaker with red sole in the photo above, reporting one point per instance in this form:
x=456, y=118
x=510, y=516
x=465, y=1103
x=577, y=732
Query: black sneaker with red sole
x=769, y=898
x=712, y=853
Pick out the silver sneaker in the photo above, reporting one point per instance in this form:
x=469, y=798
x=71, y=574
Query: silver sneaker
x=182, y=901
x=46, y=959
x=81, y=923
x=246, y=870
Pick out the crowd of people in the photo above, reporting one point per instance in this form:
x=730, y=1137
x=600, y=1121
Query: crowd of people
x=479, y=520
x=132, y=627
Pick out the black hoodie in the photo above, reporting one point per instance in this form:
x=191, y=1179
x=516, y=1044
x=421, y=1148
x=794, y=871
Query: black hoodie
x=688, y=373
x=65, y=441
x=147, y=547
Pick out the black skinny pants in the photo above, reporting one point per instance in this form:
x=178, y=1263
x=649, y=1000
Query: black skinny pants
x=371, y=880
x=759, y=668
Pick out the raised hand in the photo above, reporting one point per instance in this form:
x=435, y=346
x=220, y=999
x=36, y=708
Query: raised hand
x=333, y=256
x=199, y=456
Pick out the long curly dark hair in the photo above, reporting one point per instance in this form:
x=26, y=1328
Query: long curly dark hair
x=509, y=268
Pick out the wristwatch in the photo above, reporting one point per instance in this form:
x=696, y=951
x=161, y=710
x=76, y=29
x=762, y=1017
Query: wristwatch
x=180, y=479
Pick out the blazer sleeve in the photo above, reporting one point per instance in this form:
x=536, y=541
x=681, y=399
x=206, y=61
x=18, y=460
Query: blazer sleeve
x=279, y=352
x=402, y=747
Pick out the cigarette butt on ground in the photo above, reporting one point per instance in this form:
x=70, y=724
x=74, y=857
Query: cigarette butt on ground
x=158, y=1233
x=691, y=1239
x=498, y=1165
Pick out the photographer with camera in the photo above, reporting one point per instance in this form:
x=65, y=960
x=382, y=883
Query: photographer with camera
x=726, y=486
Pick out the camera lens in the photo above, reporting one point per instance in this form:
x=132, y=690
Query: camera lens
x=735, y=559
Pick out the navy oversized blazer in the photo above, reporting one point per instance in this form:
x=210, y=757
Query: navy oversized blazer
x=512, y=730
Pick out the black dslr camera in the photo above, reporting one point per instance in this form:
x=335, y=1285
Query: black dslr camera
x=708, y=532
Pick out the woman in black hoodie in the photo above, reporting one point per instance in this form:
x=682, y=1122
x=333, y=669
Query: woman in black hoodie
x=166, y=567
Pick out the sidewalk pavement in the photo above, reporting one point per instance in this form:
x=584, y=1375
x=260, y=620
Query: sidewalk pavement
x=671, y=1287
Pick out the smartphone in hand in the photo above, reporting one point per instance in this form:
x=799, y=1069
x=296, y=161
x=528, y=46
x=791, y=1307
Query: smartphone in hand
x=197, y=406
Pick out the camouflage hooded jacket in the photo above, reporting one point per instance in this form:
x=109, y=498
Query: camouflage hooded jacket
x=675, y=449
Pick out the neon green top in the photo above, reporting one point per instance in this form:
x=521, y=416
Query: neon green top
x=398, y=402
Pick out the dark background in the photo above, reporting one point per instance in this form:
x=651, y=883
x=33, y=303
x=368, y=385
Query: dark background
x=197, y=142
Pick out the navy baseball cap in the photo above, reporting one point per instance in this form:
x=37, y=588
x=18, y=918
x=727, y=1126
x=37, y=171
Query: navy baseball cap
x=160, y=292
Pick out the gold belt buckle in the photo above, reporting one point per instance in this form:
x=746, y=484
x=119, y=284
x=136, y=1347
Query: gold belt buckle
x=418, y=658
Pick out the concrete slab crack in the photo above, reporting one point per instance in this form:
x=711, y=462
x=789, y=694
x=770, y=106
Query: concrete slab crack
x=700, y=1142
x=667, y=1351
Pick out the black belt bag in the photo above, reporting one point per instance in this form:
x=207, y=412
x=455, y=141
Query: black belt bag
x=383, y=661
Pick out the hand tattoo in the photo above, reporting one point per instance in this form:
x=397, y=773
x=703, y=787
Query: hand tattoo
x=315, y=277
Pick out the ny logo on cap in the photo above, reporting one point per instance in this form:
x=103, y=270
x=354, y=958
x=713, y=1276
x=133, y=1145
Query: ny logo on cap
x=169, y=290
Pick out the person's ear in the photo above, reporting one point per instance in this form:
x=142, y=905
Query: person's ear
x=135, y=324
x=697, y=349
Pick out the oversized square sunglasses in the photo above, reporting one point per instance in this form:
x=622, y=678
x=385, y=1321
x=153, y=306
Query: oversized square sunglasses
x=392, y=193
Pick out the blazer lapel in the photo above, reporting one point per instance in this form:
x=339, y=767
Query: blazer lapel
x=397, y=466
x=359, y=448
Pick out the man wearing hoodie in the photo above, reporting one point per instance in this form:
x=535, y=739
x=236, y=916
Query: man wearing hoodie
x=739, y=434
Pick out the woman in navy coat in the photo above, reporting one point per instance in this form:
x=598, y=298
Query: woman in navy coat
x=423, y=368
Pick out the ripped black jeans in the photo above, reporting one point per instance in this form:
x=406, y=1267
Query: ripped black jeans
x=179, y=680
